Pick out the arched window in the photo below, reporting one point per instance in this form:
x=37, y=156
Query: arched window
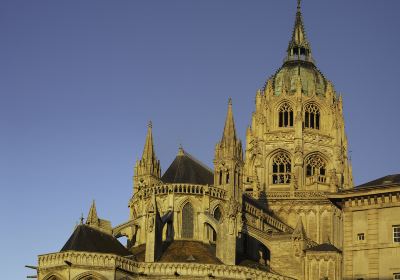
x=52, y=277
x=217, y=213
x=187, y=221
x=220, y=177
x=311, y=116
x=285, y=115
x=89, y=277
x=281, y=169
x=211, y=234
x=316, y=168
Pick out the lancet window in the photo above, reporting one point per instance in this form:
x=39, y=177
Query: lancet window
x=316, y=168
x=285, y=115
x=187, y=221
x=311, y=116
x=281, y=169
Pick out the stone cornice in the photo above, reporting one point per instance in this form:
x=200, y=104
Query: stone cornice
x=370, y=197
x=109, y=261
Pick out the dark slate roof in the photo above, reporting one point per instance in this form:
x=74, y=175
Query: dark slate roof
x=187, y=169
x=324, y=247
x=189, y=251
x=87, y=239
x=393, y=179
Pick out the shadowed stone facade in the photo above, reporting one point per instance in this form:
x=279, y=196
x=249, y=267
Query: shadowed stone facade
x=283, y=208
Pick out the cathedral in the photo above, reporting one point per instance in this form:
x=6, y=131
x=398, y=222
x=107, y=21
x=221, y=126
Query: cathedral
x=281, y=206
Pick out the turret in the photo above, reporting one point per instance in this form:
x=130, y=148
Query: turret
x=228, y=161
x=228, y=172
x=94, y=221
x=147, y=171
x=299, y=48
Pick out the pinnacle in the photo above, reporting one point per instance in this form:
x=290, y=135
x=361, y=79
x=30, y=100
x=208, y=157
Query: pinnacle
x=148, y=151
x=181, y=151
x=299, y=230
x=299, y=45
x=229, y=129
x=92, y=217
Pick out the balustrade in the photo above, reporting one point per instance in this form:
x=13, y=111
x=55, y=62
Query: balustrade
x=181, y=189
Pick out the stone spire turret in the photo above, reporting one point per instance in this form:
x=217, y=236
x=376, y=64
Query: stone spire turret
x=299, y=238
x=229, y=134
x=228, y=161
x=147, y=170
x=94, y=221
x=92, y=218
x=299, y=48
x=228, y=174
x=148, y=151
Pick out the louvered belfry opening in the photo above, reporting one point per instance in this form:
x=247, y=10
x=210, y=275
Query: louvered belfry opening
x=187, y=221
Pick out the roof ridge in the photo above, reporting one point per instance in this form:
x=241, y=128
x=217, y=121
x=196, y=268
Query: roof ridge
x=197, y=161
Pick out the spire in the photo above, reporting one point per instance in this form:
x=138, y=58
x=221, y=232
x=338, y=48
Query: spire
x=148, y=151
x=229, y=129
x=299, y=231
x=299, y=48
x=92, y=218
x=147, y=170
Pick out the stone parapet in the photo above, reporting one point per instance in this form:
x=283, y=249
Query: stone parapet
x=113, y=262
x=181, y=189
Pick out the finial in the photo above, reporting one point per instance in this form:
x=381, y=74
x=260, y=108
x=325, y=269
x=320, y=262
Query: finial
x=230, y=101
x=150, y=124
x=181, y=152
x=81, y=219
x=298, y=5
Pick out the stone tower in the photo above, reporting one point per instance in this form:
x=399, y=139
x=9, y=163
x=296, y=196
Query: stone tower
x=296, y=146
x=297, y=140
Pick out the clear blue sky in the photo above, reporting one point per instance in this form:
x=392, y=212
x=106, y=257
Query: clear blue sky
x=79, y=81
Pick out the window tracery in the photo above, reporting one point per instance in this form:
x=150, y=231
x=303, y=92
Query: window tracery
x=311, y=116
x=281, y=169
x=217, y=213
x=285, y=115
x=187, y=221
x=316, y=168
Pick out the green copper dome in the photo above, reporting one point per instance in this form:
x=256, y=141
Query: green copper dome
x=311, y=79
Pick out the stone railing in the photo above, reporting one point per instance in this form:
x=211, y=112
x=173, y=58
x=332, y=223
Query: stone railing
x=208, y=270
x=320, y=179
x=265, y=217
x=77, y=258
x=181, y=189
x=296, y=194
x=109, y=261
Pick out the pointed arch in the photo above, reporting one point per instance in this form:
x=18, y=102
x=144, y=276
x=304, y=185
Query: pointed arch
x=285, y=115
x=53, y=276
x=315, y=168
x=187, y=221
x=217, y=213
x=90, y=275
x=210, y=232
x=281, y=167
x=312, y=116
